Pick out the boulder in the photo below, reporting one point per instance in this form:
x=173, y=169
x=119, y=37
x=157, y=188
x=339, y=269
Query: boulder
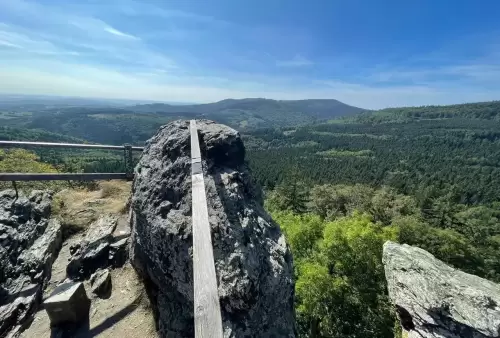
x=93, y=252
x=100, y=282
x=435, y=300
x=252, y=260
x=29, y=243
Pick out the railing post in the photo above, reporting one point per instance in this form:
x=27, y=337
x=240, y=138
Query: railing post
x=127, y=154
x=14, y=185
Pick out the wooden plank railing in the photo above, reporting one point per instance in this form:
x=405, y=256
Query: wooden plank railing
x=207, y=315
x=71, y=176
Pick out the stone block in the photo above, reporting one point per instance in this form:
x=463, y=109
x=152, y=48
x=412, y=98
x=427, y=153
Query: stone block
x=68, y=304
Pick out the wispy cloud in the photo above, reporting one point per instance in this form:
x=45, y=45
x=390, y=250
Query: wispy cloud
x=135, y=8
x=76, y=34
x=11, y=38
x=98, y=28
x=296, y=61
x=467, y=73
x=119, y=33
x=9, y=44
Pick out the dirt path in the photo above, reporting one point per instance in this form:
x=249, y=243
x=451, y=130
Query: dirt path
x=126, y=313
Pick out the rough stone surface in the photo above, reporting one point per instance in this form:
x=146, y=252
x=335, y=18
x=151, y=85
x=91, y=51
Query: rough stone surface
x=434, y=300
x=252, y=260
x=118, y=253
x=100, y=282
x=93, y=252
x=29, y=243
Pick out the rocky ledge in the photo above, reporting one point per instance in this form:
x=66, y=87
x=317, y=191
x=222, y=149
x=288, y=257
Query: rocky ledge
x=252, y=260
x=434, y=300
x=29, y=243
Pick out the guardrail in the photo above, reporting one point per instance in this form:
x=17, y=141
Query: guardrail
x=127, y=156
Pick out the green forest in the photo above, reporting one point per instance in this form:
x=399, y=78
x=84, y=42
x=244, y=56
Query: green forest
x=425, y=176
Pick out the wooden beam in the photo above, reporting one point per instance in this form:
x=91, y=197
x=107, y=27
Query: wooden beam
x=63, y=176
x=207, y=315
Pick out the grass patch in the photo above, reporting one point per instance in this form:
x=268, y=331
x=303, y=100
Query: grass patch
x=113, y=189
x=77, y=208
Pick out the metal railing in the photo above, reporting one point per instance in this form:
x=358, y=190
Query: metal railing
x=127, y=156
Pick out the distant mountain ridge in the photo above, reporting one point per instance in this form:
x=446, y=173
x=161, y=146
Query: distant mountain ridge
x=257, y=112
x=136, y=123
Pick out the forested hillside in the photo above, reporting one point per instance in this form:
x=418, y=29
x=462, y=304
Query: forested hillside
x=418, y=156
x=135, y=124
x=426, y=176
x=482, y=110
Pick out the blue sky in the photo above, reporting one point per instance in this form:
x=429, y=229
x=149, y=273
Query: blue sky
x=371, y=54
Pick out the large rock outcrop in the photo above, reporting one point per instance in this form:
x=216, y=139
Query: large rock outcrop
x=253, y=262
x=435, y=300
x=29, y=243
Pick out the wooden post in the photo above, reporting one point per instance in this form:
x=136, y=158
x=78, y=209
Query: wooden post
x=207, y=316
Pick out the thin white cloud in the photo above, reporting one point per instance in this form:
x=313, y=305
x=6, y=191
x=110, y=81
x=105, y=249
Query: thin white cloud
x=9, y=44
x=296, y=61
x=119, y=33
x=83, y=35
x=98, y=28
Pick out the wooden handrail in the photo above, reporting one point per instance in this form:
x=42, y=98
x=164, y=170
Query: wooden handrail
x=207, y=315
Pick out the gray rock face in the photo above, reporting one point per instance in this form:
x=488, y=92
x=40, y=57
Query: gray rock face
x=29, y=243
x=118, y=253
x=253, y=263
x=434, y=300
x=93, y=252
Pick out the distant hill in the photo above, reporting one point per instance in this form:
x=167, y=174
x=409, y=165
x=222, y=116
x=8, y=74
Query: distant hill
x=257, y=112
x=137, y=123
x=479, y=110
